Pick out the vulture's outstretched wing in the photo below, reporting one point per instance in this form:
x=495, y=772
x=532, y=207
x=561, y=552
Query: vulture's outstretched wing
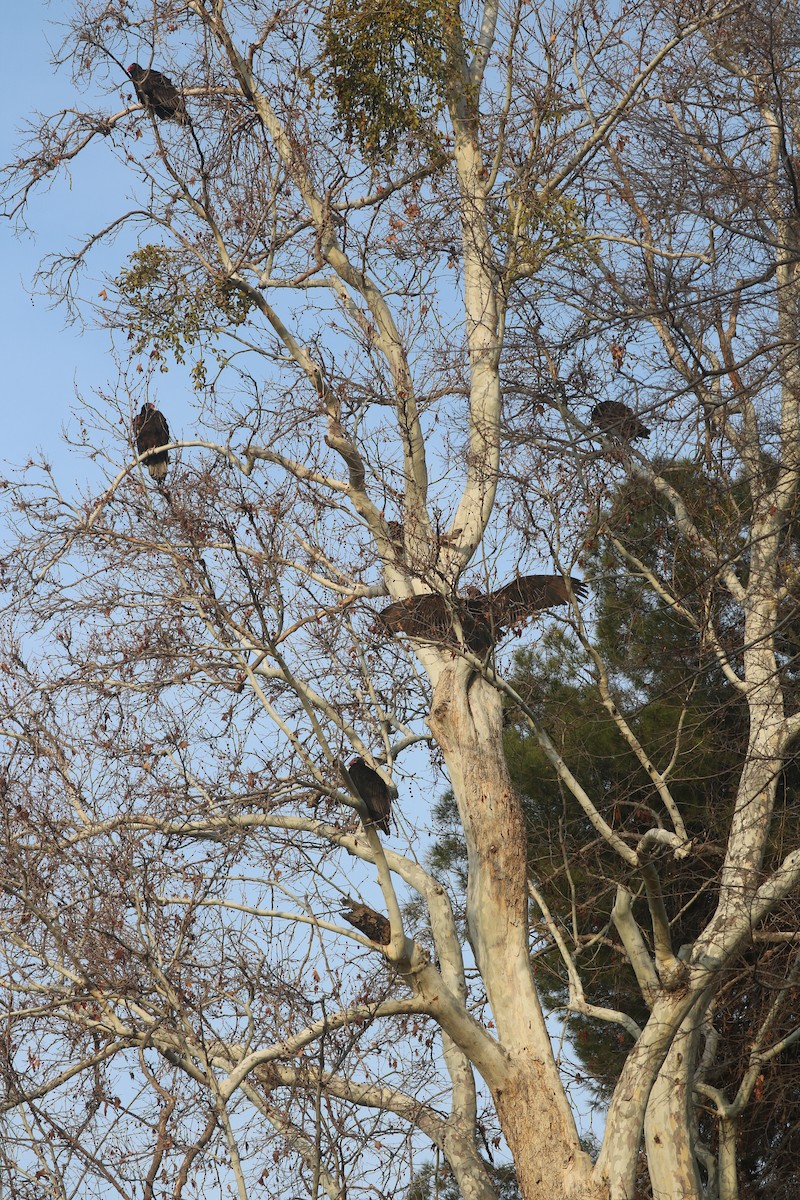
x=424, y=617
x=529, y=594
x=615, y=419
x=151, y=430
x=483, y=619
x=158, y=94
x=373, y=791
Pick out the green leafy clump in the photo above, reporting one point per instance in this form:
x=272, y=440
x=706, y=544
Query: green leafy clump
x=168, y=309
x=535, y=231
x=386, y=69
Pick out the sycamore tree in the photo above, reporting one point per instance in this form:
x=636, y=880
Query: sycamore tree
x=575, y=879
x=397, y=255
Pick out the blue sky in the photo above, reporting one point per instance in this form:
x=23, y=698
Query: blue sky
x=45, y=358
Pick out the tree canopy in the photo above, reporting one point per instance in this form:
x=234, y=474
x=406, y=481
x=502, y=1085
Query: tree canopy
x=385, y=272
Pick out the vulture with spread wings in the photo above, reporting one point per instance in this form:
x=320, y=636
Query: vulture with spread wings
x=479, y=621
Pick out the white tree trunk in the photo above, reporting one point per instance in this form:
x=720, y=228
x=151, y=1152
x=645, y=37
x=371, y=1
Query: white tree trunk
x=537, y=1122
x=670, y=1124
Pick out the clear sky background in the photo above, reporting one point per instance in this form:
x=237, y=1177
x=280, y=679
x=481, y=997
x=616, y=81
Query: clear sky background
x=45, y=359
x=41, y=357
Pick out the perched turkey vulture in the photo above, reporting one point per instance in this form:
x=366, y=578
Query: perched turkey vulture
x=616, y=420
x=367, y=921
x=150, y=429
x=158, y=94
x=483, y=619
x=397, y=533
x=373, y=791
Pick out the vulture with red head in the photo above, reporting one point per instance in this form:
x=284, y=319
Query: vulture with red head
x=480, y=620
x=616, y=420
x=151, y=430
x=373, y=791
x=158, y=94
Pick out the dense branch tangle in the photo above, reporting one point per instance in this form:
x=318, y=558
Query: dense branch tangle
x=399, y=319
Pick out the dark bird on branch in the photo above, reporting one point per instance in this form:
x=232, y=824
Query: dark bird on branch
x=158, y=94
x=397, y=533
x=616, y=420
x=484, y=620
x=434, y=618
x=151, y=430
x=373, y=791
x=367, y=921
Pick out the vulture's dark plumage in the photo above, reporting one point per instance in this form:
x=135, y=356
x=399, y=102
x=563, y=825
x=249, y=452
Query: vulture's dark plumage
x=433, y=618
x=150, y=429
x=397, y=533
x=616, y=420
x=158, y=94
x=373, y=791
x=367, y=921
x=526, y=595
x=484, y=620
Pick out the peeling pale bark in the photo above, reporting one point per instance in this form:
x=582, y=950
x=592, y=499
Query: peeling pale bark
x=466, y=719
x=465, y=1162
x=669, y=1123
x=728, y=1174
x=617, y=1162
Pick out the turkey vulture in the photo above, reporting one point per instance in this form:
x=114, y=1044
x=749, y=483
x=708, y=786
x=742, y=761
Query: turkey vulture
x=372, y=923
x=397, y=536
x=432, y=618
x=483, y=619
x=397, y=533
x=158, y=94
x=150, y=429
x=616, y=420
x=520, y=599
x=373, y=791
